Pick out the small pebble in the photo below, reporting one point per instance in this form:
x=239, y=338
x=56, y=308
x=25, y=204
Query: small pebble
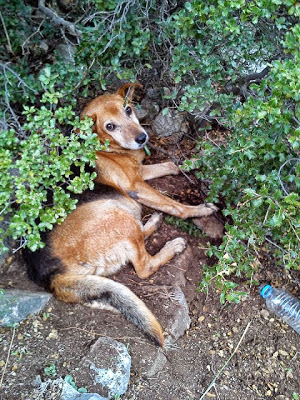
x=283, y=353
x=265, y=314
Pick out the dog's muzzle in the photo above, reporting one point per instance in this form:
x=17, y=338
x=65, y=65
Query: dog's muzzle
x=142, y=139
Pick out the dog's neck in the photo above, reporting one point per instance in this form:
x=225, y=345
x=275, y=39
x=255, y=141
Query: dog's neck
x=138, y=155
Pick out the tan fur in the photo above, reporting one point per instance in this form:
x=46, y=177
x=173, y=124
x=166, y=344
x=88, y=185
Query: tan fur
x=122, y=165
x=100, y=236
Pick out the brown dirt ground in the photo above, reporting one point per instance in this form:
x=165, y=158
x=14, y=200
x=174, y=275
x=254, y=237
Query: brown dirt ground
x=265, y=366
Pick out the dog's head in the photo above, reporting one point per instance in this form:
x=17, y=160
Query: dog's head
x=114, y=119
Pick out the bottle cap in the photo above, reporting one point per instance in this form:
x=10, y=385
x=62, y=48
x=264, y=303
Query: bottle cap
x=266, y=291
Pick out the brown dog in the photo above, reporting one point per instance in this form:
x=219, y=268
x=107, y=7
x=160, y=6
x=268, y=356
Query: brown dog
x=105, y=231
x=115, y=120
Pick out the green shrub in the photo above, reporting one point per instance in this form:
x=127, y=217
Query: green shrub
x=37, y=166
x=234, y=63
x=256, y=168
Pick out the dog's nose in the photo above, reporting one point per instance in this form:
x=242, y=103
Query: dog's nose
x=141, y=139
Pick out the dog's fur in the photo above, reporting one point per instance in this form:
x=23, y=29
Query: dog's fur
x=105, y=231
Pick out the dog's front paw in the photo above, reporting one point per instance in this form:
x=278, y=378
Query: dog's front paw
x=206, y=209
x=178, y=245
x=212, y=207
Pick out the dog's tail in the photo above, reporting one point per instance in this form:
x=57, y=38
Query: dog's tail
x=96, y=289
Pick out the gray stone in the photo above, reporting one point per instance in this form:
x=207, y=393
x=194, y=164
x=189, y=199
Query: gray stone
x=70, y=393
x=44, y=47
x=148, y=359
x=66, y=51
x=151, y=107
x=211, y=226
x=108, y=365
x=16, y=305
x=171, y=125
x=153, y=94
x=60, y=389
x=141, y=113
x=181, y=320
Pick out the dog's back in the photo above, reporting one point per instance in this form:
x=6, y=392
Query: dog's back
x=101, y=235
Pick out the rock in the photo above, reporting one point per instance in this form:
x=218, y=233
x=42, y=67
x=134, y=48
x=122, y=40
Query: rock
x=211, y=226
x=148, y=359
x=171, y=125
x=44, y=47
x=141, y=113
x=153, y=94
x=66, y=51
x=108, y=367
x=181, y=320
x=16, y=305
x=70, y=393
x=61, y=390
x=151, y=107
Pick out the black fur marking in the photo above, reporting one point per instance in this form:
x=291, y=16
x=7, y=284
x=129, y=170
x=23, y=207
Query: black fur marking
x=125, y=306
x=133, y=195
x=42, y=266
x=100, y=191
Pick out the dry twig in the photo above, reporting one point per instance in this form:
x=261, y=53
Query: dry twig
x=226, y=363
x=58, y=21
x=7, y=358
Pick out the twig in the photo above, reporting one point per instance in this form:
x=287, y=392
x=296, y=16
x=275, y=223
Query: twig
x=279, y=171
x=31, y=36
x=174, y=159
x=226, y=363
x=255, y=76
x=7, y=358
x=99, y=334
x=276, y=245
x=5, y=66
x=6, y=34
x=58, y=21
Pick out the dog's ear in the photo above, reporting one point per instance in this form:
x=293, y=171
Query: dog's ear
x=93, y=117
x=126, y=91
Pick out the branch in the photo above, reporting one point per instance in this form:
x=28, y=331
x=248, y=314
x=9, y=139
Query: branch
x=5, y=66
x=279, y=172
x=6, y=34
x=58, y=21
x=255, y=76
x=239, y=87
x=226, y=363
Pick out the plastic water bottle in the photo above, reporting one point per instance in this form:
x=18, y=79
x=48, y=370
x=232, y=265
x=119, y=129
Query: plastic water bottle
x=283, y=304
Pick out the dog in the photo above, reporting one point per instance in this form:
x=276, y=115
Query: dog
x=105, y=231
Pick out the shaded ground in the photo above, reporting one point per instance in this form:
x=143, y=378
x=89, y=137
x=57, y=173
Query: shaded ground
x=265, y=365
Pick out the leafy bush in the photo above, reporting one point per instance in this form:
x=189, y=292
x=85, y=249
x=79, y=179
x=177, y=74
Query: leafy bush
x=36, y=166
x=256, y=168
x=234, y=63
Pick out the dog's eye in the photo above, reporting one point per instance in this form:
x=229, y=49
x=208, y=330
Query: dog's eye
x=110, y=127
x=128, y=110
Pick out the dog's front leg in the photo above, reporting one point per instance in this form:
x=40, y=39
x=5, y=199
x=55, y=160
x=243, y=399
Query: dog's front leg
x=158, y=170
x=150, y=197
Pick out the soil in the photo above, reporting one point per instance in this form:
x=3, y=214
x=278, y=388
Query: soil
x=266, y=359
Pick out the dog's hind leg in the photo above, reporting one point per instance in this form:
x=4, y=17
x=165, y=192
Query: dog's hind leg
x=152, y=224
x=145, y=265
